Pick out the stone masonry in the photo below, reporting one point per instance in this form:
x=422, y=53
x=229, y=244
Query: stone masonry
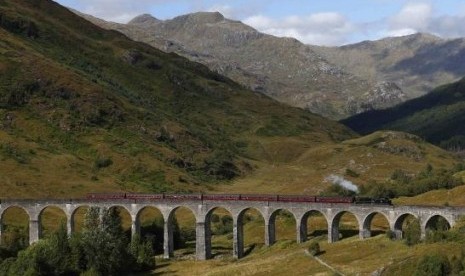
x=203, y=209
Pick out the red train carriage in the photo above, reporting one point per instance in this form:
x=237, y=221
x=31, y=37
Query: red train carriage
x=250, y=197
x=220, y=197
x=144, y=196
x=183, y=196
x=296, y=198
x=105, y=196
x=334, y=199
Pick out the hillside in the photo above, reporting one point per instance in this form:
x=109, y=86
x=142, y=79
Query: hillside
x=336, y=82
x=116, y=115
x=417, y=63
x=282, y=68
x=437, y=117
x=85, y=109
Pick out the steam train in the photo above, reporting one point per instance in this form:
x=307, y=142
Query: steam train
x=239, y=197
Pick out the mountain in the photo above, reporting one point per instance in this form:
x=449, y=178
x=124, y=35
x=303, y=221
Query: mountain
x=416, y=63
x=86, y=109
x=282, y=68
x=336, y=82
x=438, y=117
x=83, y=109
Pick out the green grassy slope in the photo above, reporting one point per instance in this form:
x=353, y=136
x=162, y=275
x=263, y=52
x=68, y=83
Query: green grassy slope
x=438, y=116
x=86, y=109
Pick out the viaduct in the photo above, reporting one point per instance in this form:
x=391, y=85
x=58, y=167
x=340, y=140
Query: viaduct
x=203, y=209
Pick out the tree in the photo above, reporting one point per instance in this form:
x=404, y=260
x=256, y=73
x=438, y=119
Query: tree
x=413, y=232
x=104, y=242
x=142, y=253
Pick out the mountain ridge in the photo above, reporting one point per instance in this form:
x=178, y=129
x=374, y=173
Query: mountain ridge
x=336, y=82
x=436, y=116
x=283, y=68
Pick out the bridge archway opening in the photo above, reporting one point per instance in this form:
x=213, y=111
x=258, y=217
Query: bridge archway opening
x=77, y=219
x=284, y=224
x=51, y=219
x=437, y=223
x=253, y=229
x=182, y=222
x=375, y=224
x=344, y=225
x=151, y=227
x=14, y=223
x=126, y=220
x=314, y=224
x=220, y=225
x=406, y=222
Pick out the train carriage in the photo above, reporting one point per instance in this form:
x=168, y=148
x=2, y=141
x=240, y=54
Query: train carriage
x=144, y=196
x=183, y=196
x=252, y=197
x=296, y=198
x=220, y=197
x=334, y=199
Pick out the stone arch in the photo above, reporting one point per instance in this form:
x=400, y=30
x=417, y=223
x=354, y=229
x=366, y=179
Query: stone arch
x=126, y=218
x=173, y=210
x=303, y=224
x=434, y=219
x=239, y=241
x=72, y=217
x=399, y=220
x=398, y=223
x=42, y=222
x=28, y=217
x=168, y=235
x=367, y=221
x=271, y=225
x=333, y=231
x=208, y=230
x=14, y=206
x=146, y=207
x=155, y=229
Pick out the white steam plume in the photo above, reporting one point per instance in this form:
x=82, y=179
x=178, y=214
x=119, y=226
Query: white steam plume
x=344, y=183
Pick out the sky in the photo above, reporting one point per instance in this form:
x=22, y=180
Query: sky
x=318, y=22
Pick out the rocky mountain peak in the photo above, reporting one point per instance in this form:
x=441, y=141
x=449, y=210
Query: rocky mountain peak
x=143, y=19
x=200, y=18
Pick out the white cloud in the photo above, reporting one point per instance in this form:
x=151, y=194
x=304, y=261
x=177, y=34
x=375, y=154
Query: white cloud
x=324, y=28
x=413, y=17
x=117, y=10
x=226, y=10
x=329, y=28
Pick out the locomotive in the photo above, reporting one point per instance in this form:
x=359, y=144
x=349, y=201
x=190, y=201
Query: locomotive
x=240, y=197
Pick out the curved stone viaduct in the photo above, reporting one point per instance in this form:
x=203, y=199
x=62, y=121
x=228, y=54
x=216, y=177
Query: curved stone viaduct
x=203, y=210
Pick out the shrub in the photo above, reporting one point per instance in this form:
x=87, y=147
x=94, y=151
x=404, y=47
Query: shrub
x=314, y=248
x=433, y=265
x=352, y=173
x=413, y=232
x=142, y=254
x=103, y=162
x=390, y=234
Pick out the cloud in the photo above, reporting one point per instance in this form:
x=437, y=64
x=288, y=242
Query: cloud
x=328, y=28
x=323, y=28
x=117, y=10
x=413, y=17
x=226, y=10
